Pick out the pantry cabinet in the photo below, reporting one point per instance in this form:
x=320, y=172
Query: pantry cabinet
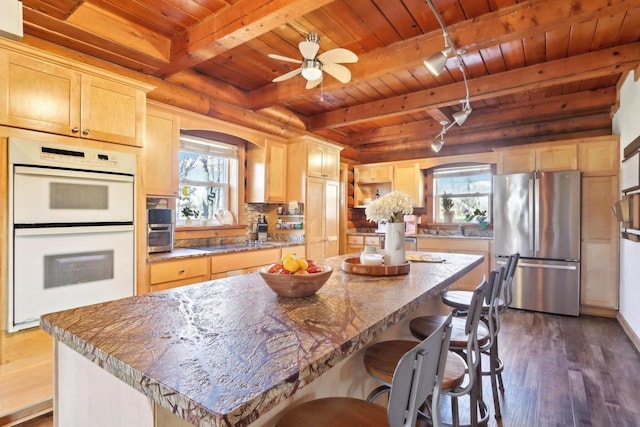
x=55, y=95
x=267, y=172
x=322, y=230
x=160, y=153
x=323, y=161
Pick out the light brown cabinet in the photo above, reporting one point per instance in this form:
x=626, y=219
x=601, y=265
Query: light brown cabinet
x=465, y=246
x=599, y=249
x=323, y=199
x=323, y=161
x=373, y=173
x=357, y=242
x=180, y=272
x=408, y=179
x=267, y=172
x=599, y=156
x=160, y=153
x=233, y=264
x=51, y=96
x=543, y=157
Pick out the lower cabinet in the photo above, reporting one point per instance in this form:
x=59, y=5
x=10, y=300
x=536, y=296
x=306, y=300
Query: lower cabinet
x=233, y=264
x=179, y=272
x=357, y=242
x=462, y=246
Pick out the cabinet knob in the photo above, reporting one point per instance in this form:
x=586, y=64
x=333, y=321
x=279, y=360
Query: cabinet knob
x=181, y=271
x=86, y=132
x=75, y=130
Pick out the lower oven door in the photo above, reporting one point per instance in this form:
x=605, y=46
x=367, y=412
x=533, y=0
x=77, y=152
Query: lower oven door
x=60, y=268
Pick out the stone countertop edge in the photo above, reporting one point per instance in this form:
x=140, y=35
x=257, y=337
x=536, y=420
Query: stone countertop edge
x=421, y=236
x=174, y=357
x=181, y=253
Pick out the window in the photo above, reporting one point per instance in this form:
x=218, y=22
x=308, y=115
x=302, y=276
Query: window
x=469, y=188
x=206, y=173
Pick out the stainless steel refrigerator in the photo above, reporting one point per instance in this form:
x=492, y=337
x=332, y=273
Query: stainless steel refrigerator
x=538, y=215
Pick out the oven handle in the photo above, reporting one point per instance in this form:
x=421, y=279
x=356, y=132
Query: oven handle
x=52, y=231
x=58, y=173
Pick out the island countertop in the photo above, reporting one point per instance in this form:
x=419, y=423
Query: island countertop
x=224, y=352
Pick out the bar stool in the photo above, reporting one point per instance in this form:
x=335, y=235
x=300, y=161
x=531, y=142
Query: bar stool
x=459, y=300
x=417, y=375
x=380, y=357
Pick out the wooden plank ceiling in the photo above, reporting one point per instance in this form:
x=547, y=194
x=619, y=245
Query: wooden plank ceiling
x=537, y=70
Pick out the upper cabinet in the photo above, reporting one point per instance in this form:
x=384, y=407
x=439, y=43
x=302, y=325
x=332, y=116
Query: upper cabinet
x=599, y=156
x=267, y=172
x=542, y=157
x=55, y=95
x=379, y=179
x=323, y=161
x=407, y=177
x=160, y=152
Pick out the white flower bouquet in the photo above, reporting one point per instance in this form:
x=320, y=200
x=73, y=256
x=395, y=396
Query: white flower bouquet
x=391, y=207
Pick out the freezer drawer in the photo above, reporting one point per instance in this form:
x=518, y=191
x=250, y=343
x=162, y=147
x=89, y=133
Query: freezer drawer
x=547, y=286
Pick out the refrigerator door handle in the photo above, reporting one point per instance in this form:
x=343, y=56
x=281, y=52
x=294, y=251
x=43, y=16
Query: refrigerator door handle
x=549, y=266
x=536, y=212
x=531, y=214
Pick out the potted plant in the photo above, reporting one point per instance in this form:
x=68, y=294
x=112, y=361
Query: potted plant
x=480, y=216
x=447, y=206
x=188, y=212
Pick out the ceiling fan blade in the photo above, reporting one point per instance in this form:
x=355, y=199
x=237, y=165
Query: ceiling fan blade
x=288, y=75
x=284, y=58
x=313, y=83
x=338, y=71
x=308, y=49
x=338, y=56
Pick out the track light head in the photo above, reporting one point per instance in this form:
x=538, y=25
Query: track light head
x=437, y=143
x=436, y=62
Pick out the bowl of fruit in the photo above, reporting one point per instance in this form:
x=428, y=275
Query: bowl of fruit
x=295, y=277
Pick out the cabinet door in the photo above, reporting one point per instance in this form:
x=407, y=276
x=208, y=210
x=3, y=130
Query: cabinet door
x=111, y=111
x=38, y=95
x=331, y=218
x=331, y=164
x=373, y=173
x=516, y=161
x=599, y=249
x=557, y=158
x=408, y=178
x=276, y=172
x=599, y=157
x=315, y=160
x=160, y=154
x=315, y=218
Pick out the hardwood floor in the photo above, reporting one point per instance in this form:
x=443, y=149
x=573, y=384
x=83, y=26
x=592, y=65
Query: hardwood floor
x=559, y=371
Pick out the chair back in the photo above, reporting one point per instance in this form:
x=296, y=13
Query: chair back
x=418, y=375
x=510, y=271
x=492, y=318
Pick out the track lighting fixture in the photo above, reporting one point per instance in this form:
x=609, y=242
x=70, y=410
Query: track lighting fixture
x=436, y=64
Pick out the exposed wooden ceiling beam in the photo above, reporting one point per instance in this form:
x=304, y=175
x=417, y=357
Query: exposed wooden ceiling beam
x=596, y=64
x=231, y=27
x=506, y=24
x=521, y=112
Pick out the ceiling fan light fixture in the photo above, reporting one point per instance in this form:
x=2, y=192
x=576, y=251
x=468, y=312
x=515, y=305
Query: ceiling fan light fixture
x=311, y=69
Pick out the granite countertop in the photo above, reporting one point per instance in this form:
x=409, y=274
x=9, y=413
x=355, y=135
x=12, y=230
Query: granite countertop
x=178, y=253
x=226, y=351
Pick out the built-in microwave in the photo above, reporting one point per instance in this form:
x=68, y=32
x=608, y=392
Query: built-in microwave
x=159, y=230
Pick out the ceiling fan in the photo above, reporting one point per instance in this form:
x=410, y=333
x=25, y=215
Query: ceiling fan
x=312, y=66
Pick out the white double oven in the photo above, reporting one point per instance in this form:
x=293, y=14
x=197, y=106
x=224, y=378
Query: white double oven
x=71, y=229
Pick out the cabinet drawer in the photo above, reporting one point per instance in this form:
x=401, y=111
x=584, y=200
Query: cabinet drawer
x=355, y=240
x=371, y=241
x=178, y=270
x=235, y=261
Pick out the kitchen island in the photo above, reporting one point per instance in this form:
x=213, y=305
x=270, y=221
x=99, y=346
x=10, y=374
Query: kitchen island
x=229, y=351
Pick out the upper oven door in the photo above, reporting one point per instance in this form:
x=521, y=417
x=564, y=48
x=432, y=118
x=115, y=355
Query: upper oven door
x=61, y=196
